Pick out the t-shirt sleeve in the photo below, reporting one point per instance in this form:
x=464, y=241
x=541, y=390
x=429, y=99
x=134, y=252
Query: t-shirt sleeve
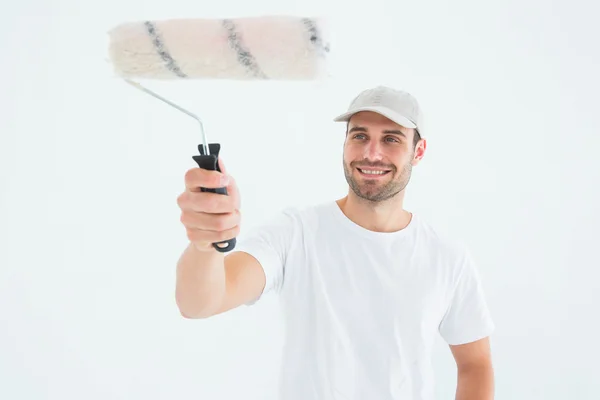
x=269, y=244
x=467, y=318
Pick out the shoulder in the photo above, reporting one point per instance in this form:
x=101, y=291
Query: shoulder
x=444, y=245
x=293, y=218
x=438, y=238
x=307, y=214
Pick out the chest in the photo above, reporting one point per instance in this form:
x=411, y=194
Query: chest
x=393, y=287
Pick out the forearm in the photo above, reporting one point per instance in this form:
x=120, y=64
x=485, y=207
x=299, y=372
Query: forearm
x=475, y=383
x=200, y=285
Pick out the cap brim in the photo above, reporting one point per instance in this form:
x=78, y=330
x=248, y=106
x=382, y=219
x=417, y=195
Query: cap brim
x=386, y=112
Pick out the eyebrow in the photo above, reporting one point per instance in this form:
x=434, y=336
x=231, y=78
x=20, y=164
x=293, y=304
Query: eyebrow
x=387, y=131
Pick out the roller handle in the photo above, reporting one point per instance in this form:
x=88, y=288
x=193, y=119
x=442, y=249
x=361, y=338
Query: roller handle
x=210, y=162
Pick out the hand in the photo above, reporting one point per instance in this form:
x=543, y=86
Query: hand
x=209, y=217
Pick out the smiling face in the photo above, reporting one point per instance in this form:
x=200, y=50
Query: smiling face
x=378, y=156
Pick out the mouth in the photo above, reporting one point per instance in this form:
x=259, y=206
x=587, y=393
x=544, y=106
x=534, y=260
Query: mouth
x=373, y=172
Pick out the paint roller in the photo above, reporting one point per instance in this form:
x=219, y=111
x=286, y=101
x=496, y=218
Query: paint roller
x=278, y=47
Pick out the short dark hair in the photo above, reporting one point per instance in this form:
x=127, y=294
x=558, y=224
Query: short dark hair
x=416, y=138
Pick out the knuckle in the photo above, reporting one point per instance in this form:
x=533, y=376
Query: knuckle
x=193, y=201
x=189, y=220
x=193, y=236
x=221, y=224
x=210, y=203
x=190, y=175
x=221, y=203
x=190, y=235
x=181, y=200
x=229, y=233
x=231, y=221
x=199, y=201
x=227, y=203
x=234, y=219
x=216, y=179
x=236, y=230
x=224, y=235
x=183, y=218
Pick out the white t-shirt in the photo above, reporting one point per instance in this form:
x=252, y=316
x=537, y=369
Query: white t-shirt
x=362, y=309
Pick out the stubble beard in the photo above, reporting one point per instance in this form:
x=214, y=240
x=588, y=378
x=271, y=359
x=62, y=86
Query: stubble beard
x=371, y=190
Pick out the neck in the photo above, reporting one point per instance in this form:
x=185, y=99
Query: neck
x=384, y=216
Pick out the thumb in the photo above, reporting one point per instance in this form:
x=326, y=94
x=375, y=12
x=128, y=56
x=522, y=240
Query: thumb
x=222, y=166
x=232, y=189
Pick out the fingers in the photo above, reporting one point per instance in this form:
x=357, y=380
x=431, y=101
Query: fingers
x=209, y=217
x=210, y=222
x=196, y=178
x=222, y=165
x=203, y=229
x=207, y=202
x=204, y=239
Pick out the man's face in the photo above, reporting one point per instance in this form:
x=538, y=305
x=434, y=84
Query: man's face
x=378, y=156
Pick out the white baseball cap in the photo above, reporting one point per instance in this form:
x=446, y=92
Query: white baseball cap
x=397, y=105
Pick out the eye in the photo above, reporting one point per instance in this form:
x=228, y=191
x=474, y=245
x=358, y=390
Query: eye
x=392, y=139
x=358, y=136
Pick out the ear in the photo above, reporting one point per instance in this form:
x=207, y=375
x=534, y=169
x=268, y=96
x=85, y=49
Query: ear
x=419, y=152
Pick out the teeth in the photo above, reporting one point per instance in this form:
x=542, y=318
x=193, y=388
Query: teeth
x=372, y=172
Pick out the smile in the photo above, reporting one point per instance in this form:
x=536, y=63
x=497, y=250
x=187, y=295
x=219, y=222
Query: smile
x=373, y=172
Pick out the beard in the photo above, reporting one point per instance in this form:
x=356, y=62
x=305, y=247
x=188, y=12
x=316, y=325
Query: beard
x=372, y=190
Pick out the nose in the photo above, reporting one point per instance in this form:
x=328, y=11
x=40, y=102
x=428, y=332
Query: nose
x=373, y=151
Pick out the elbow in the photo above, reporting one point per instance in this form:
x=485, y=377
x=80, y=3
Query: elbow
x=193, y=310
x=189, y=313
x=195, y=303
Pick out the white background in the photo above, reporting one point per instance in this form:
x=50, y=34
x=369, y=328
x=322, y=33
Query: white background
x=91, y=169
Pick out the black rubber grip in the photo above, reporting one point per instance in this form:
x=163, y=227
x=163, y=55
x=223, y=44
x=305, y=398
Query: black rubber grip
x=210, y=162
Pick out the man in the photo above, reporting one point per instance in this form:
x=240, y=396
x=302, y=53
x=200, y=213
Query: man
x=366, y=285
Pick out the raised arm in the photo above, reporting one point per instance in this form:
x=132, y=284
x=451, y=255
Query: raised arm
x=209, y=282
